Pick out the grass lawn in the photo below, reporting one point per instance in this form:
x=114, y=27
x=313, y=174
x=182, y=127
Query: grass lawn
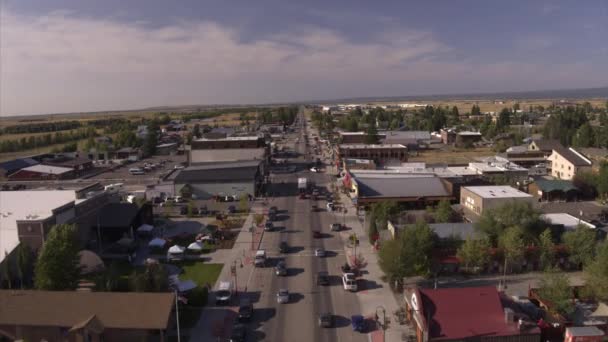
x=200, y=272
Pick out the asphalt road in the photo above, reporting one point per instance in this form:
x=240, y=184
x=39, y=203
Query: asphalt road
x=298, y=319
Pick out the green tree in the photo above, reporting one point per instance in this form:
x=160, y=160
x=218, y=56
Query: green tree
x=555, y=288
x=495, y=221
x=602, y=180
x=504, y=120
x=408, y=255
x=454, y=118
x=153, y=279
x=516, y=107
x=512, y=244
x=547, y=249
x=475, y=110
x=596, y=274
x=603, y=119
x=474, y=253
x=190, y=209
x=371, y=134
x=580, y=243
x=244, y=204
x=383, y=211
x=196, y=131
x=584, y=136
x=373, y=228
x=444, y=212
x=23, y=263
x=5, y=272
x=57, y=267
x=151, y=139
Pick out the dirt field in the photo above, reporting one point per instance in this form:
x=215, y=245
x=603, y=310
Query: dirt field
x=451, y=155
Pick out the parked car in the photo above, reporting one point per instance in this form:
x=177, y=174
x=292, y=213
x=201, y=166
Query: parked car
x=335, y=227
x=330, y=206
x=358, y=323
x=317, y=234
x=239, y=333
x=260, y=258
x=224, y=293
x=268, y=226
x=320, y=252
x=314, y=169
x=281, y=268
x=183, y=210
x=323, y=278
x=245, y=310
x=283, y=296
x=349, y=282
x=283, y=247
x=231, y=209
x=326, y=320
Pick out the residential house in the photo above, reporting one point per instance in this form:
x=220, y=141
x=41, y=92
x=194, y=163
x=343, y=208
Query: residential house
x=567, y=162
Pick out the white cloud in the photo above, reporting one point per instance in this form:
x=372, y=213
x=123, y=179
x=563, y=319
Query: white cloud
x=62, y=63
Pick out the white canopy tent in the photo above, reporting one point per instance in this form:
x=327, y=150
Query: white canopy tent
x=157, y=242
x=145, y=228
x=196, y=246
x=176, y=249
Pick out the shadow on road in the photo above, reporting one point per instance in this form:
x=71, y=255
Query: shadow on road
x=330, y=254
x=295, y=249
x=335, y=280
x=291, y=231
x=295, y=298
x=252, y=296
x=294, y=271
x=341, y=321
x=365, y=284
x=280, y=218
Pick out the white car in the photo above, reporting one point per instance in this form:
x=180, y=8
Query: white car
x=314, y=169
x=320, y=252
x=283, y=296
x=349, y=281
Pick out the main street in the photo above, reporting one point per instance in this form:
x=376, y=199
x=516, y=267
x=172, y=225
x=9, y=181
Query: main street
x=298, y=319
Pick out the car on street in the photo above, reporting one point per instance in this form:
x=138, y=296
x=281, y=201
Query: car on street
x=268, y=226
x=283, y=296
x=260, y=258
x=314, y=169
x=326, y=320
x=358, y=323
x=281, y=268
x=323, y=278
x=224, y=293
x=319, y=252
x=349, y=281
x=245, y=310
x=283, y=247
x=330, y=206
x=231, y=209
x=335, y=227
x=317, y=234
x=239, y=333
x=272, y=213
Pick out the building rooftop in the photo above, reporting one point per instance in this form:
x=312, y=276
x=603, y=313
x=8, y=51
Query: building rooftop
x=469, y=133
x=548, y=185
x=17, y=164
x=54, y=170
x=228, y=154
x=415, y=135
x=470, y=312
x=245, y=138
x=547, y=145
x=566, y=220
x=218, y=172
x=497, y=191
x=166, y=145
x=115, y=310
x=369, y=146
x=27, y=205
x=462, y=230
x=495, y=164
x=392, y=186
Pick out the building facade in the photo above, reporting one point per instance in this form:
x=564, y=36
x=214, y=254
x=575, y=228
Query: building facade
x=477, y=199
x=377, y=153
x=566, y=163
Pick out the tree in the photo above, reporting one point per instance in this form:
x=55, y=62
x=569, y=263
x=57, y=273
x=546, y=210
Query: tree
x=408, y=255
x=5, y=272
x=189, y=138
x=584, y=136
x=244, y=204
x=444, y=212
x=602, y=180
x=190, y=209
x=596, y=274
x=24, y=263
x=151, y=139
x=454, y=118
x=373, y=228
x=495, y=221
x=580, y=243
x=383, y=211
x=196, y=131
x=516, y=106
x=603, y=119
x=504, y=120
x=57, y=267
x=371, y=134
x=474, y=252
x=475, y=110
x=547, y=249
x=153, y=279
x=555, y=289
x=512, y=244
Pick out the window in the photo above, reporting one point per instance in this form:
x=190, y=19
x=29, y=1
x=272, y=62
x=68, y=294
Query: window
x=568, y=168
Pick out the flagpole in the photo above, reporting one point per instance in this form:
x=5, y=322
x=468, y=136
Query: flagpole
x=179, y=336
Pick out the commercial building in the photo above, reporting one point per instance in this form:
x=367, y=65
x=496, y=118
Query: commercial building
x=229, y=142
x=545, y=146
x=28, y=216
x=553, y=190
x=377, y=153
x=166, y=149
x=228, y=149
x=460, y=139
x=497, y=166
x=79, y=165
x=42, y=172
x=471, y=313
x=410, y=139
x=118, y=220
x=566, y=163
x=476, y=199
x=567, y=221
x=75, y=316
x=205, y=181
x=418, y=190
x=9, y=167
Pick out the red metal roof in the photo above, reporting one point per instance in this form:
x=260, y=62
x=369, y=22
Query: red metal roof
x=458, y=313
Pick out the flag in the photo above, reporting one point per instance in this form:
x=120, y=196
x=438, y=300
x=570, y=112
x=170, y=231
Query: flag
x=182, y=299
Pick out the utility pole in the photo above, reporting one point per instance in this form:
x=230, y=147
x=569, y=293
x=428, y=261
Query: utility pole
x=234, y=273
x=179, y=336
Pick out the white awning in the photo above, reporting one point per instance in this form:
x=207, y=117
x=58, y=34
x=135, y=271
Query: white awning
x=176, y=249
x=145, y=228
x=195, y=246
x=157, y=242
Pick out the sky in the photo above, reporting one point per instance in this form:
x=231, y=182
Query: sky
x=82, y=55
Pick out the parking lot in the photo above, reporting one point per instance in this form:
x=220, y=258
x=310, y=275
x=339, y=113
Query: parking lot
x=122, y=173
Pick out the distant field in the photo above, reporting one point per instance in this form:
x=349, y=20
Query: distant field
x=453, y=156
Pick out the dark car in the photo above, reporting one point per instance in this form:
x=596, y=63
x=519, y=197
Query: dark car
x=323, y=278
x=231, y=209
x=268, y=226
x=358, y=323
x=183, y=210
x=316, y=234
x=281, y=268
x=245, y=310
x=283, y=247
x=326, y=320
x=272, y=213
x=239, y=333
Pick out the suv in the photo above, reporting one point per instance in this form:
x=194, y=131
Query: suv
x=335, y=227
x=245, y=310
x=224, y=292
x=281, y=269
x=349, y=282
x=260, y=258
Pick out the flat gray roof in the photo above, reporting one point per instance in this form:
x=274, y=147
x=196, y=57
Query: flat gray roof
x=409, y=186
x=497, y=191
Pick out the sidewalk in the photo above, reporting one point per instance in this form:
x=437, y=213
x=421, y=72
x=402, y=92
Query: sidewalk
x=217, y=321
x=379, y=295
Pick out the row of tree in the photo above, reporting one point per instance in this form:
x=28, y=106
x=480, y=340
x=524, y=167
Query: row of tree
x=31, y=142
x=41, y=127
x=284, y=115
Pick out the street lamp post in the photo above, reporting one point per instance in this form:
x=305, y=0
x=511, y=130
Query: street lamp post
x=383, y=324
x=233, y=271
x=179, y=336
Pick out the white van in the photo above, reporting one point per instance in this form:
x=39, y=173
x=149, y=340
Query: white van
x=224, y=293
x=113, y=188
x=137, y=171
x=260, y=258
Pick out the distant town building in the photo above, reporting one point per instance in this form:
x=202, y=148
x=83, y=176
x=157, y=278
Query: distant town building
x=566, y=163
x=378, y=153
x=477, y=199
x=42, y=172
